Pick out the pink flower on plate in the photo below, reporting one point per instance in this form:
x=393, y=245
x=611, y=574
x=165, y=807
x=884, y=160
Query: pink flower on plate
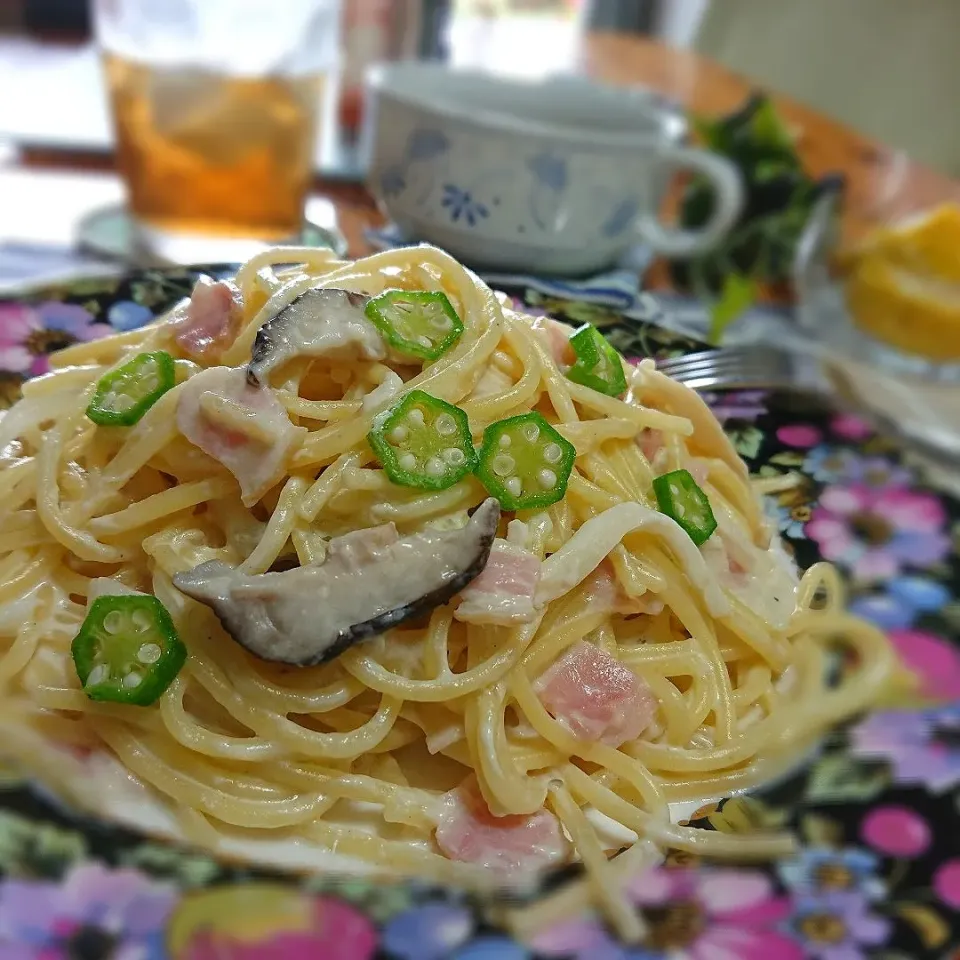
x=713, y=915
x=268, y=922
x=801, y=435
x=946, y=883
x=29, y=334
x=120, y=913
x=935, y=663
x=851, y=427
x=897, y=831
x=876, y=532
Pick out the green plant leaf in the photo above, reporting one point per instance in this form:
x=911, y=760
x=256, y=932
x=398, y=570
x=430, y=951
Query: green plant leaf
x=736, y=296
x=90, y=287
x=951, y=614
x=768, y=129
x=820, y=831
x=30, y=849
x=837, y=777
x=747, y=440
x=788, y=458
x=743, y=814
x=189, y=870
x=709, y=131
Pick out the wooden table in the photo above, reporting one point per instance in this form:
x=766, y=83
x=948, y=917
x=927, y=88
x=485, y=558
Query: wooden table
x=882, y=182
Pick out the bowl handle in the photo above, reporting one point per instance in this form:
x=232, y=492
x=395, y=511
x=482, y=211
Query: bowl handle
x=728, y=191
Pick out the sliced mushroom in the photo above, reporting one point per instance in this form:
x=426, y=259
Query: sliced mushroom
x=318, y=323
x=312, y=614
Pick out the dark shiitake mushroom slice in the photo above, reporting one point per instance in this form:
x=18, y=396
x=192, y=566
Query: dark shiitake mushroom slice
x=318, y=323
x=372, y=580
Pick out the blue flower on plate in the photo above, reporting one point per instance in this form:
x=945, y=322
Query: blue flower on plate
x=821, y=870
x=621, y=216
x=921, y=746
x=903, y=601
x=491, y=948
x=838, y=927
x=460, y=203
x=393, y=181
x=427, y=932
x=791, y=521
x=425, y=143
x=830, y=464
x=128, y=315
x=550, y=170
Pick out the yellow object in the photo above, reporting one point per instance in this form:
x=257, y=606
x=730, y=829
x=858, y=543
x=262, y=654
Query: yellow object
x=903, y=284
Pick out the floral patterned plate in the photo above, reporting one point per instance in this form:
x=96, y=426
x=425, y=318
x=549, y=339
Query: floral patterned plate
x=877, y=810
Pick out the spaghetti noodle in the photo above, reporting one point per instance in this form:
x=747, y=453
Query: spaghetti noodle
x=447, y=743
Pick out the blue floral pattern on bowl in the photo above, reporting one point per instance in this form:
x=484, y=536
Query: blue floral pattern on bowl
x=393, y=181
x=425, y=143
x=621, y=216
x=549, y=170
x=460, y=203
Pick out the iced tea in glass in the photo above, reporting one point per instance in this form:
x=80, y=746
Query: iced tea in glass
x=216, y=105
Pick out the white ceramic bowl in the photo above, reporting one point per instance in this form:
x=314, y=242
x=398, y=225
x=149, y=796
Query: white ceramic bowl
x=555, y=177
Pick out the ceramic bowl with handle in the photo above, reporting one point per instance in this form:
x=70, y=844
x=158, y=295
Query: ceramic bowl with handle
x=560, y=176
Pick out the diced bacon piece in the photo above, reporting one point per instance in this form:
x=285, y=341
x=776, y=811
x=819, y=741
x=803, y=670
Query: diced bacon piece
x=556, y=338
x=503, y=593
x=360, y=547
x=596, y=697
x=212, y=317
x=511, y=845
x=603, y=592
x=651, y=443
x=244, y=427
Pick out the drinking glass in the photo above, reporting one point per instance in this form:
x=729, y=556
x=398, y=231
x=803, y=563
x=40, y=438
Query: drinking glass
x=216, y=106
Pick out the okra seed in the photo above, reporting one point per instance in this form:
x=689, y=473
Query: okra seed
x=454, y=456
x=416, y=415
x=547, y=478
x=98, y=674
x=681, y=509
x=445, y=425
x=505, y=441
x=399, y=434
x=149, y=653
x=440, y=321
x=435, y=467
x=503, y=465
x=132, y=679
x=425, y=342
x=514, y=486
x=120, y=402
x=674, y=489
x=531, y=432
x=141, y=620
x=552, y=453
x=150, y=383
x=113, y=622
x=408, y=461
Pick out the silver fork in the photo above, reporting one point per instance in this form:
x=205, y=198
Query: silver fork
x=745, y=368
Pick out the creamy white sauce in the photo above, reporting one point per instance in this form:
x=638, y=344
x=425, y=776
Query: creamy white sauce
x=571, y=564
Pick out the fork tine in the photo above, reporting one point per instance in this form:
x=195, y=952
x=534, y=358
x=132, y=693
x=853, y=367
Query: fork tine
x=734, y=367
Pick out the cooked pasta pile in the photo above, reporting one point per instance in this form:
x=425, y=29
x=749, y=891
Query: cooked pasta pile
x=410, y=747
